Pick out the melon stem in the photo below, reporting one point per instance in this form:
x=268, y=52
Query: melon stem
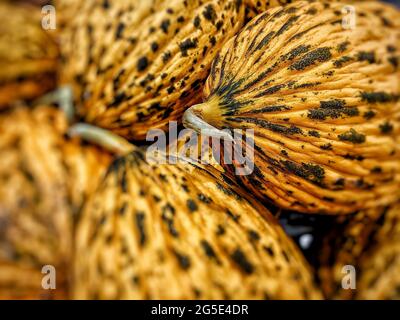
x=63, y=96
x=192, y=120
x=101, y=137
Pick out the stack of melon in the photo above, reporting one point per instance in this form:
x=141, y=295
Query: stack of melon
x=313, y=88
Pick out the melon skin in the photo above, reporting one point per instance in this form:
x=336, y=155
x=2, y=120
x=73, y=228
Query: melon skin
x=323, y=102
x=28, y=54
x=45, y=177
x=136, y=65
x=182, y=231
x=369, y=241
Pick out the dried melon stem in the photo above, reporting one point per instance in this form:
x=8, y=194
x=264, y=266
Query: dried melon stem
x=103, y=138
x=193, y=119
x=63, y=96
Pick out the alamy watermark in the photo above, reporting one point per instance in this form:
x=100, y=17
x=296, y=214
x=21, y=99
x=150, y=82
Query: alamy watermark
x=49, y=280
x=49, y=17
x=349, y=20
x=349, y=278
